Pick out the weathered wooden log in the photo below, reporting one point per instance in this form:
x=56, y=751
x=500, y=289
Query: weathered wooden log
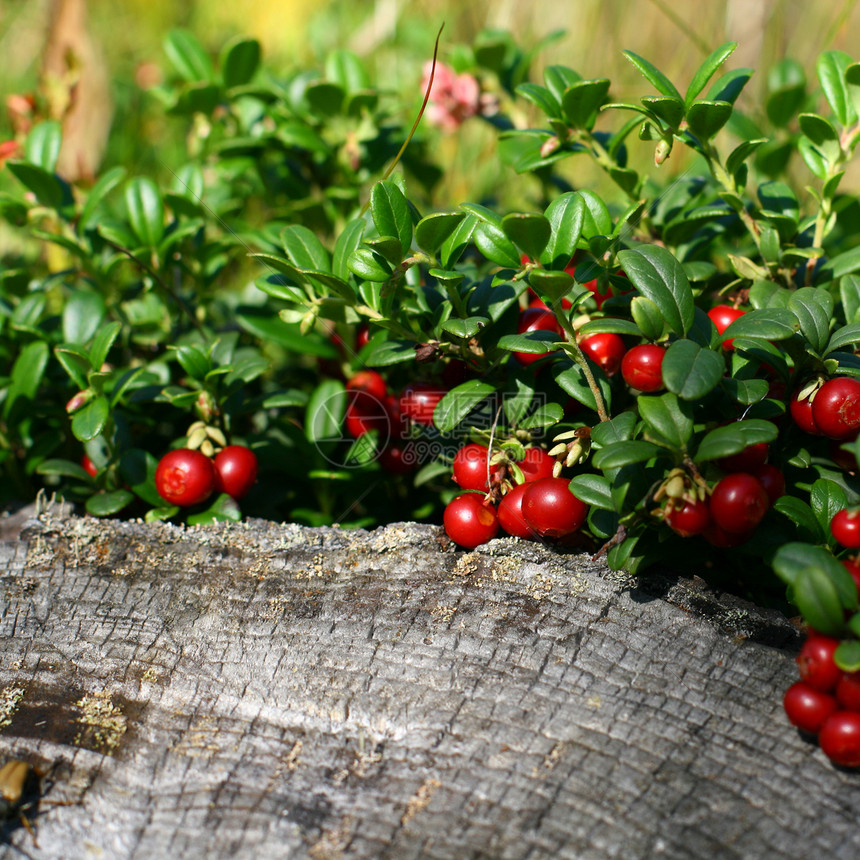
x=259, y=690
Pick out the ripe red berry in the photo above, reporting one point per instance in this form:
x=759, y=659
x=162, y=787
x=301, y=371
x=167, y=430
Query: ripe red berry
x=536, y=464
x=470, y=467
x=369, y=381
x=738, y=503
x=836, y=407
x=89, y=467
x=511, y=517
x=854, y=569
x=419, y=399
x=235, y=470
x=185, y=477
x=839, y=738
x=606, y=350
x=801, y=413
x=551, y=509
x=815, y=662
x=806, y=707
x=365, y=412
x=362, y=337
x=690, y=519
x=848, y=691
x=469, y=521
x=536, y=319
x=747, y=460
x=772, y=479
x=642, y=367
x=845, y=527
x=722, y=316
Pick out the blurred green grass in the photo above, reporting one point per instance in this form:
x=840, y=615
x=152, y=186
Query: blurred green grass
x=395, y=37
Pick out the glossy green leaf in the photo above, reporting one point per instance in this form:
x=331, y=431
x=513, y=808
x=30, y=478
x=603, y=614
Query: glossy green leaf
x=75, y=362
x=193, y=361
x=734, y=438
x=767, y=324
x=625, y=454
x=612, y=325
x=457, y=242
x=792, y=558
x=390, y=352
x=347, y=70
x=223, y=509
x=432, y=230
x=553, y=286
x=465, y=328
x=145, y=209
x=786, y=82
x=459, y=402
x=533, y=342
x=43, y=144
x=690, y=370
x=46, y=187
x=82, y=316
x=566, y=215
x=390, y=213
x=304, y=249
x=89, y=421
x=831, y=68
x=26, y=376
x=580, y=102
x=729, y=86
x=668, y=420
x=842, y=264
x=594, y=490
x=64, y=469
x=706, y=118
x=571, y=380
x=495, y=246
x=658, y=276
x=707, y=70
x=108, y=503
x=558, y=79
x=528, y=231
x=270, y=328
x=369, y=265
x=817, y=598
x=596, y=218
x=325, y=411
x=348, y=240
x=617, y=429
x=240, y=60
x=543, y=416
x=848, y=335
x=654, y=76
x=188, y=56
x=647, y=317
x=802, y=516
x=847, y=655
x=814, y=159
x=822, y=134
x=813, y=309
x=826, y=498
x=852, y=86
x=102, y=187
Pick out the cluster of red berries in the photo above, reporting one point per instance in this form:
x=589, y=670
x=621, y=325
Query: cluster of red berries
x=541, y=507
x=186, y=476
x=831, y=409
x=372, y=406
x=825, y=702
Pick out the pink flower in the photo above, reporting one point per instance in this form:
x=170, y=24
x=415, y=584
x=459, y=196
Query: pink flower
x=453, y=97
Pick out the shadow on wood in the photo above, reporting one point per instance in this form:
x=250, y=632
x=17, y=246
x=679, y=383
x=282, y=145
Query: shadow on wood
x=262, y=690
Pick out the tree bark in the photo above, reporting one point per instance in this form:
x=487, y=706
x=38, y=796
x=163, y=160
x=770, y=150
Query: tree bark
x=259, y=690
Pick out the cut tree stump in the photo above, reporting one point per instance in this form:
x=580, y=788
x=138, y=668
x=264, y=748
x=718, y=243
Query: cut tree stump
x=257, y=690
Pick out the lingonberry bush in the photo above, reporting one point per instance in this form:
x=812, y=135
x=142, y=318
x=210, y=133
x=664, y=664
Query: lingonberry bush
x=287, y=325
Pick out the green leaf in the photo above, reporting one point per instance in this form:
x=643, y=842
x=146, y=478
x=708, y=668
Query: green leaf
x=46, y=187
x=849, y=294
x=734, y=438
x=369, y=265
x=465, y=328
x=193, y=361
x=145, y=208
x=831, y=69
x=495, y=246
x=654, y=76
x=690, y=370
x=325, y=411
x=75, y=362
x=270, y=328
x=108, y=504
x=459, y=402
x=847, y=655
x=240, y=60
x=596, y=218
x=581, y=102
x=391, y=352
x=612, y=325
x=848, y=335
x=594, y=490
x=625, y=454
x=138, y=468
x=223, y=509
x=26, y=376
x=432, y=230
x=617, y=429
x=802, y=516
x=566, y=215
x=668, y=420
x=188, y=57
x=840, y=265
x=571, y=380
x=822, y=134
x=103, y=186
x=826, y=498
x=786, y=82
x=346, y=69
x=390, y=213
x=792, y=558
x=706, y=118
x=852, y=86
x=765, y=324
x=533, y=342
x=457, y=242
x=817, y=598
x=813, y=309
x=559, y=78
x=543, y=416
x=729, y=86
x=304, y=249
x=529, y=232
x=553, y=286
x=347, y=242
x=82, y=316
x=541, y=97
x=647, y=316
x=707, y=70
x=89, y=421
x=43, y=144
x=64, y=469
x=658, y=276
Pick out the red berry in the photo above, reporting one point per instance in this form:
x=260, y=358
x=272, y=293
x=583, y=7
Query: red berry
x=551, y=509
x=89, y=467
x=469, y=521
x=719, y=537
x=747, y=460
x=839, y=738
x=722, y=316
x=738, y=503
x=362, y=337
x=854, y=569
x=536, y=464
x=642, y=367
x=365, y=412
x=369, y=381
x=419, y=399
x=470, y=467
x=836, y=407
x=184, y=477
x=511, y=517
x=536, y=319
x=606, y=350
x=845, y=528
x=235, y=470
x=801, y=413
x=848, y=691
x=690, y=519
x=806, y=707
x=772, y=479
x=815, y=662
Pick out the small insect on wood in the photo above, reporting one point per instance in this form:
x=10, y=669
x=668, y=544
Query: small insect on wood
x=19, y=792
